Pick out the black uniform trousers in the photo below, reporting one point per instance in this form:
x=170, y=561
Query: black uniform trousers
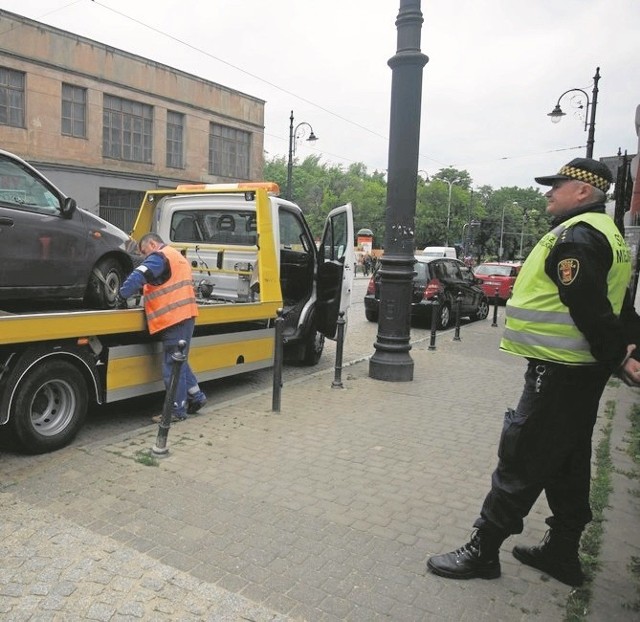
x=546, y=446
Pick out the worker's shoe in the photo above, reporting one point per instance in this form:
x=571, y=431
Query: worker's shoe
x=174, y=418
x=196, y=402
x=477, y=559
x=556, y=555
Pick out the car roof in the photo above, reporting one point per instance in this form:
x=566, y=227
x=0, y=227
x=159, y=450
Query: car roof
x=428, y=259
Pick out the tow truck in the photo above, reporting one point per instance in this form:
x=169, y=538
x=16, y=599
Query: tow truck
x=54, y=364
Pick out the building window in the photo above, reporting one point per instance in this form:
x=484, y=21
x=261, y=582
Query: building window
x=74, y=111
x=11, y=97
x=229, y=151
x=175, y=133
x=120, y=207
x=127, y=128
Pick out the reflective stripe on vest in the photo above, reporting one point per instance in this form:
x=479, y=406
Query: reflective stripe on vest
x=538, y=324
x=174, y=301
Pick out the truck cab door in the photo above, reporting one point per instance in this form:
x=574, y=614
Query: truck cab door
x=336, y=265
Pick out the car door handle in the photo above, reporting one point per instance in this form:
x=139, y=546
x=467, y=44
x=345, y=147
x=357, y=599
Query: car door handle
x=6, y=221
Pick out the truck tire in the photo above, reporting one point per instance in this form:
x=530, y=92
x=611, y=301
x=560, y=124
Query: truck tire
x=371, y=315
x=312, y=349
x=50, y=407
x=105, y=281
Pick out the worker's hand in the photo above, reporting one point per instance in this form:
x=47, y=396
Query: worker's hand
x=121, y=303
x=629, y=371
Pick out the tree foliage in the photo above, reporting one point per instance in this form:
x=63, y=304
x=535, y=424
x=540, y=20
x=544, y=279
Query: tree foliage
x=478, y=218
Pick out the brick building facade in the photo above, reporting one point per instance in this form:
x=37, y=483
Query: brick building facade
x=105, y=125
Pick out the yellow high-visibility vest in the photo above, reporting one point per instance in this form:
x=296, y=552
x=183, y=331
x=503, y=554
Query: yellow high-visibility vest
x=538, y=324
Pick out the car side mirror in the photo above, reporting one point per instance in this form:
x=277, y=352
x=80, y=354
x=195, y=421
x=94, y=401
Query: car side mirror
x=69, y=206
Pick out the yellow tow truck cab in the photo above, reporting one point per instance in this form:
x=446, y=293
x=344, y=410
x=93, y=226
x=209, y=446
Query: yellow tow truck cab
x=252, y=253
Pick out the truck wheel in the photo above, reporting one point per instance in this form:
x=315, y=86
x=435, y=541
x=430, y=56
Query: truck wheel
x=50, y=408
x=104, y=283
x=312, y=349
x=371, y=315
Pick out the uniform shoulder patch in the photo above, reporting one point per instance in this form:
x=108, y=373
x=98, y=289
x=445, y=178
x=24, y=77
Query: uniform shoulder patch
x=568, y=271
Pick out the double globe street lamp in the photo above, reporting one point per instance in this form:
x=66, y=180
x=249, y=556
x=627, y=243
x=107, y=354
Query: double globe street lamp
x=294, y=133
x=589, y=113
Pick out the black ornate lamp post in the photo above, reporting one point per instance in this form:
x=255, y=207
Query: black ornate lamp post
x=589, y=119
x=391, y=360
x=293, y=137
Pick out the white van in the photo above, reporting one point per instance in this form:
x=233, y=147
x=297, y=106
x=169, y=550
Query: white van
x=440, y=251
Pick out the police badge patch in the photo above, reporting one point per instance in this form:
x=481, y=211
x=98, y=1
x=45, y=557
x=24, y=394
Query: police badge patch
x=568, y=271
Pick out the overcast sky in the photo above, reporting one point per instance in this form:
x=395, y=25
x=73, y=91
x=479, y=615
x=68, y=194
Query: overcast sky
x=496, y=68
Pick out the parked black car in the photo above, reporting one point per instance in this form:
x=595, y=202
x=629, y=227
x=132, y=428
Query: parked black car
x=50, y=249
x=443, y=277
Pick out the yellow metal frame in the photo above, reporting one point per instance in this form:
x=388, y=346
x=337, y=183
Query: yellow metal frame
x=137, y=369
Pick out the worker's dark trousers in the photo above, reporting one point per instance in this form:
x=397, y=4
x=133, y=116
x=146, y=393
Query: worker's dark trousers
x=546, y=445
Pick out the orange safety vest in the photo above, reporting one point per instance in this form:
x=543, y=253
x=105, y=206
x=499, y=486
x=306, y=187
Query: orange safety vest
x=174, y=301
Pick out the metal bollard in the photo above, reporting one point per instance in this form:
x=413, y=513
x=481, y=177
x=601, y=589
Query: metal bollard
x=278, y=356
x=160, y=449
x=495, y=307
x=435, y=309
x=456, y=334
x=337, y=380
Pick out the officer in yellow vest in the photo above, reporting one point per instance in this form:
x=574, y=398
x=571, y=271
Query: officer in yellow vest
x=571, y=318
x=170, y=308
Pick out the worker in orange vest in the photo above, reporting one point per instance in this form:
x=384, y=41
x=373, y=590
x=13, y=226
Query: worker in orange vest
x=170, y=308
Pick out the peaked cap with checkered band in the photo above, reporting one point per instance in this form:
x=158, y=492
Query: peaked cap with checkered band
x=583, y=169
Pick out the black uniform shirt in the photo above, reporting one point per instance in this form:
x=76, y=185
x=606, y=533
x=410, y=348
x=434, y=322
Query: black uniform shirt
x=578, y=264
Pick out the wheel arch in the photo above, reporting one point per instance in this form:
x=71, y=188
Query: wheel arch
x=27, y=360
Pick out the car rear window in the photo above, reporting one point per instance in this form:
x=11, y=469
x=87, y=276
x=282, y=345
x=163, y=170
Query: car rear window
x=496, y=270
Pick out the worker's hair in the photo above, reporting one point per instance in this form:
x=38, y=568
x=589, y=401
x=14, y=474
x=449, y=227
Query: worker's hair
x=150, y=237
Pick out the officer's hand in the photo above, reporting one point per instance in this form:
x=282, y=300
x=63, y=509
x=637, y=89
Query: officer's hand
x=121, y=303
x=629, y=371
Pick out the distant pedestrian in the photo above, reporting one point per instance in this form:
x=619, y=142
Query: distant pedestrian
x=367, y=264
x=571, y=318
x=170, y=307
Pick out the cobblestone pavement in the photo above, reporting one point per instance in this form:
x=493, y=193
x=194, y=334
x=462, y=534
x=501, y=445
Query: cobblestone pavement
x=326, y=511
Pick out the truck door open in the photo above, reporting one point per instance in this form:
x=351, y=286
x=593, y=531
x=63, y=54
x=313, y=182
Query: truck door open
x=336, y=264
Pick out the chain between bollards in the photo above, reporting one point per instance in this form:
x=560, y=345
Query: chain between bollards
x=435, y=309
x=278, y=355
x=456, y=334
x=337, y=380
x=160, y=449
x=495, y=307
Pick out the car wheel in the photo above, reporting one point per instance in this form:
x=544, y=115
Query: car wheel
x=482, y=311
x=444, y=316
x=105, y=281
x=50, y=408
x=371, y=315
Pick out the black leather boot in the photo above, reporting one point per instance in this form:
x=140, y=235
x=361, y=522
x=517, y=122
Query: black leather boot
x=556, y=555
x=477, y=559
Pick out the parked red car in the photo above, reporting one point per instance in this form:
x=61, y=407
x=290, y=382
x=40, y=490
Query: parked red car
x=497, y=274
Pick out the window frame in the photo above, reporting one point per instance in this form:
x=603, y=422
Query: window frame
x=12, y=97
x=175, y=139
x=77, y=111
x=229, y=151
x=127, y=129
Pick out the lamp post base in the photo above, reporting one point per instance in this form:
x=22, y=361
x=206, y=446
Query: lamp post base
x=391, y=366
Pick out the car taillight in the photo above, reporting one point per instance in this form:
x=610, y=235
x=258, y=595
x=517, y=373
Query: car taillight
x=433, y=287
x=371, y=288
